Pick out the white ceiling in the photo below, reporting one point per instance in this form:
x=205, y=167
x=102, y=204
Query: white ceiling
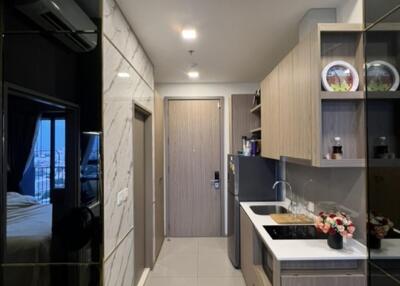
x=238, y=40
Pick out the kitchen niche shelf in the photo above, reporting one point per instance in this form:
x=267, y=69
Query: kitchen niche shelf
x=344, y=119
x=344, y=45
x=353, y=95
x=341, y=114
x=343, y=163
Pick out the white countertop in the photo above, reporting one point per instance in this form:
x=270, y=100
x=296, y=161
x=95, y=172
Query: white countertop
x=301, y=249
x=390, y=249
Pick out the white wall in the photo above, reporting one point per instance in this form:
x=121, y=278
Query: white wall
x=313, y=17
x=351, y=11
x=224, y=90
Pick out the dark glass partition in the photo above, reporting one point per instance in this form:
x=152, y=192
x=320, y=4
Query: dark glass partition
x=377, y=10
x=51, y=200
x=382, y=52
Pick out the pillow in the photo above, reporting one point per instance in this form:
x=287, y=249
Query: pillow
x=16, y=200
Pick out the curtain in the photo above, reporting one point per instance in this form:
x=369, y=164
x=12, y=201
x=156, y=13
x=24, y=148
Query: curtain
x=22, y=129
x=32, y=152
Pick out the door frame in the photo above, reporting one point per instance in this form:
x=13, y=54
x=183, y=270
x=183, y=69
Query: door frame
x=222, y=152
x=149, y=184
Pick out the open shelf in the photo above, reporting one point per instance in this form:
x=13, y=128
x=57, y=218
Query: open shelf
x=339, y=27
x=328, y=95
x=256, y=109
x=255, y=130
x=344, y=46
x=385, y=163
x=343, y=163
x=383, y=95
x=344, y=119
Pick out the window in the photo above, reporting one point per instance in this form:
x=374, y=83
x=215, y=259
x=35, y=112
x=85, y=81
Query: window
x=49, y=157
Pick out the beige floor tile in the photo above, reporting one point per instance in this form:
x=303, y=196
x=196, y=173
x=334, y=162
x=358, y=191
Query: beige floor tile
x=171, y=281
x=176, y=265
x=213, y=244
x=194, y=261
x=216, y=263
x=179, y=246
x=221, y=281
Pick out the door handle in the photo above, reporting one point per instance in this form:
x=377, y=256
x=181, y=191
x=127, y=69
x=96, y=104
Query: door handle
x=216, y=181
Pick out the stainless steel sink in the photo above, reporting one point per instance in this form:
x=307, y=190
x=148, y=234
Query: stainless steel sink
x=267, y=210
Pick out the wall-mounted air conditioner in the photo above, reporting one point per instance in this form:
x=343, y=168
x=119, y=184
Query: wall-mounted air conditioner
x=65, y=19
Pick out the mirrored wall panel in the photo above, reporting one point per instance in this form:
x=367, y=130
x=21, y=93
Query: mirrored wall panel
x=51, y=192
x=382, y=47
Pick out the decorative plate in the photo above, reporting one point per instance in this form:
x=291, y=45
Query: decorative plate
x=382, y=76
x=340, y=76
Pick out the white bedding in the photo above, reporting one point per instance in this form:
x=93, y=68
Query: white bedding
x=29, y=226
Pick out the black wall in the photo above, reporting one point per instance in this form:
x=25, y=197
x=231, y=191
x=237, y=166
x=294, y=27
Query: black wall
x=383, y=119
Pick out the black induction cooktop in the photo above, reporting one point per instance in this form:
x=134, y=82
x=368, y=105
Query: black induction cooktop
x=294, y=232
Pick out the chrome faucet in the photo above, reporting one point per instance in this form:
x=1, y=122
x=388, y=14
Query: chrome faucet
x=291, y=208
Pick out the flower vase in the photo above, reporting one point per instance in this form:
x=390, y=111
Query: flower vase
x=374, y=242
x=335, y=241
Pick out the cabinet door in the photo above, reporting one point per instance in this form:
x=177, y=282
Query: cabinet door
x=301, y=102
x=325, y=280
x=270, y=116
x=295, y=108
x=261, y=279
x=246, y=249
x=286, y=116
x=253, y=274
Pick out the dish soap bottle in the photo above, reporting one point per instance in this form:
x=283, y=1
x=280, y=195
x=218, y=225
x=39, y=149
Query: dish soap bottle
x=337, y=149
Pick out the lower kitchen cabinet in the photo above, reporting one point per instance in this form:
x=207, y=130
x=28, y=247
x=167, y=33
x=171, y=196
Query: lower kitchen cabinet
x=292, y=272
x=250, y=252
x=325, y=280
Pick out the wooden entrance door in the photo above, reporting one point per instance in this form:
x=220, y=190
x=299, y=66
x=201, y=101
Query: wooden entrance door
x=194, y=156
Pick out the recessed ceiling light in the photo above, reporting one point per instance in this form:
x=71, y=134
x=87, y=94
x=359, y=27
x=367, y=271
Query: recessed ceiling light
x=123, y=75
x=189, y=34
x=193, y=74
x=55, y=5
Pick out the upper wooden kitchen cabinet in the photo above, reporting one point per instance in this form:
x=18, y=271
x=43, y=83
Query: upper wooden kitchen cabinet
x=269, y=116
x=299, y=120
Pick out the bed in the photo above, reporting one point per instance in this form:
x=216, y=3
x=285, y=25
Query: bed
x=29, y=233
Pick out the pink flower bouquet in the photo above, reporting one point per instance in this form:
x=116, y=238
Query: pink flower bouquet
x=332, y=223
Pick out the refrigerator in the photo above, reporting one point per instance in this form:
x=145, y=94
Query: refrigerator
x=249, y=179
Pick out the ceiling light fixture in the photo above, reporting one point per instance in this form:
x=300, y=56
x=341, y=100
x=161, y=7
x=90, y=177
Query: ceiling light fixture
x=123, y=75
x=193, y=74
x=55, y=5
x=189, y=34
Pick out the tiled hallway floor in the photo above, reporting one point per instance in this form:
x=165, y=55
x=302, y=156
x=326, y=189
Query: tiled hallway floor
x=194, y=262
